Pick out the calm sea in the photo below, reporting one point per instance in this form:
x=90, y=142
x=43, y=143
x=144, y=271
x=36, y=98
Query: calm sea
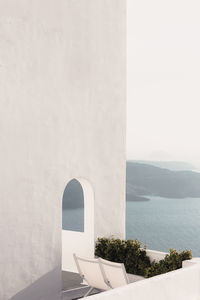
x=160, y=223
x=163, y=223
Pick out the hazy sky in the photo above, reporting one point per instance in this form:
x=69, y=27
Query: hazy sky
x=163, y=80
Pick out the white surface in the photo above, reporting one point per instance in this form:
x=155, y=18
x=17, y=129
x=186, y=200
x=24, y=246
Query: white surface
x=114, y=272
x=156, y=255
x=191, y=262
x=182, y=284
x=92, y=272
x=133, y=278
x=62, y=116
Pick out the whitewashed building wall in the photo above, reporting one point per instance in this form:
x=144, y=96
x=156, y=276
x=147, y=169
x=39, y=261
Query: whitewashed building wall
x=62, y=116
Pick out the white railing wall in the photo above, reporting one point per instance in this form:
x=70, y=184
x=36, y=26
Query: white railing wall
x=182, y=284
x=156, y=255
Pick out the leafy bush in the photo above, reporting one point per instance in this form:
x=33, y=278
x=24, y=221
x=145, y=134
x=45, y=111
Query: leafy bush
x=171, y=262
x=135, y=258
x=128, y=252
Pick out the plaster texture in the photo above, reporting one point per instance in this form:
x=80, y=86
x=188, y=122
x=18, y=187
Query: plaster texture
x=182, y=284
x=190, y=262
x=155, y=255
x=62, y=116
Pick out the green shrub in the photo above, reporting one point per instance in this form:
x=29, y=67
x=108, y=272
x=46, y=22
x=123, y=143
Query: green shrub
x=128, y=252
x=171, y=262
x=135, y=258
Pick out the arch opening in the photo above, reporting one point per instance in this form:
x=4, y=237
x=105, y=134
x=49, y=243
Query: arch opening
x=73, y=207
x=78, y=222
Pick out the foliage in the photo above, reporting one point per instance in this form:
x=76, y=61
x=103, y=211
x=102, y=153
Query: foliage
x=128, y=252
x=135, y=258
x=171, y=262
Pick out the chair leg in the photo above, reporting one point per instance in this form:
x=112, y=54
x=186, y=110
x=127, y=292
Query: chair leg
x=88, y=292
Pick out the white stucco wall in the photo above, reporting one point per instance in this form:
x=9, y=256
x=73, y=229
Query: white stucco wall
x=182, y=284
x=62, y=115
x=155, y=255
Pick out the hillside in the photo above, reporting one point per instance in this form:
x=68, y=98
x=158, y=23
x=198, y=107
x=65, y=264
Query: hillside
x=144, y=179
x=170, y=165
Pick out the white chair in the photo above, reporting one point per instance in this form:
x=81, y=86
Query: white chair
x=114, y=273
x=91, y=272
x=101, y=274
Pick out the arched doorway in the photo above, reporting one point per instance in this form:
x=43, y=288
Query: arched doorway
x=73, y=207
x=77, y=234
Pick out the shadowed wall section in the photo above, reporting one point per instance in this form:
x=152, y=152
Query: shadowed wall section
x=41, y=289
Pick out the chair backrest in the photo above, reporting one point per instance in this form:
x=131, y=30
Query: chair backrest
x=91, y=272
x=115, y=273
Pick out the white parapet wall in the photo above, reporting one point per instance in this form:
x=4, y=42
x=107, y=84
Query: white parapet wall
x=188, y=263
x=156, y=255
x=182, y=284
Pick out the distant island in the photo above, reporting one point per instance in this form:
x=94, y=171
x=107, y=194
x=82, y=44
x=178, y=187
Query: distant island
x=144, y=179
x=170, y=165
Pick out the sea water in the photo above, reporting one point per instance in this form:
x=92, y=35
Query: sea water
x=163, y=223
x=73, y=219
x=160, y=223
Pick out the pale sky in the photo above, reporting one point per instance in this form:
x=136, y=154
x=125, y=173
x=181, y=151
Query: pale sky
x=163, y=80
